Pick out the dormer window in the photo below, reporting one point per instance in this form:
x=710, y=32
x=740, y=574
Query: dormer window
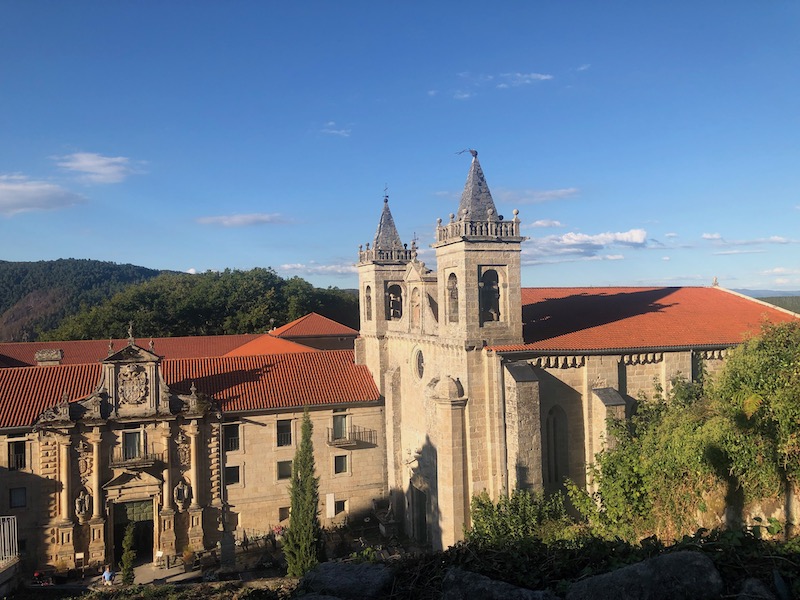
x=452, y=298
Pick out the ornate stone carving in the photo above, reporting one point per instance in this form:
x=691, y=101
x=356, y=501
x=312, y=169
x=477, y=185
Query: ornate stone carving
x=85, y=460
x=83, y=506
x=59, y=412
x=49, y=355
x=132, y=384
x=182, y=494
x=184, y=450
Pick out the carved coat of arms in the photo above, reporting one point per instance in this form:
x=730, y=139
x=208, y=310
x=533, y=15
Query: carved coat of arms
x=132, y=384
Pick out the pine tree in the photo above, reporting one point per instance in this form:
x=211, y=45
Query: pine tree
x=302, y=541
x=128, y=556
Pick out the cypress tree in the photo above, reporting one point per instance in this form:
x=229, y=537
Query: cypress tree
x=303, y=539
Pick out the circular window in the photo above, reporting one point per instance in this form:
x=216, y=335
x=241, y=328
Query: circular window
x=419, y=364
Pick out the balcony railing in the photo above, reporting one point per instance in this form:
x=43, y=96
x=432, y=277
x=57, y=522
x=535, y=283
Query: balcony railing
x=231, y=444
x=354, y=436
x=16, y=462
x=129, y=457
x=285, y=439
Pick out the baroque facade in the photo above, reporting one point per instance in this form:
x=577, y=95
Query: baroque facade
x=492, y=386
x=194, y=451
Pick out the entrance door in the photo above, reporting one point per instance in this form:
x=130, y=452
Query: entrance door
x=419, y=514
x=140, y=514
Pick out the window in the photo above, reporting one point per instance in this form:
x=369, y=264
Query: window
x=489, y=296
x=340, y=506
x=232, y=475
x=283, y=513
x=416, y=307
x=368, y=303
x=16, y=455
x=419, y=363
x=394, y=303
x=452, y=298
x=340, y=464
x=284, y=432
x=556, y=449
x=231, y=436
x=131, y=444
x=284, y=469
x=339, y=427
x=17, y=497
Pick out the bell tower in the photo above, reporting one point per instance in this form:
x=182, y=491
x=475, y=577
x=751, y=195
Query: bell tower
x=381, y=289
x=478, y=268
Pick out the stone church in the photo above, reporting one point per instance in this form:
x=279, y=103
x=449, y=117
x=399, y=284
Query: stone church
x=461, y=381
x=491, y=386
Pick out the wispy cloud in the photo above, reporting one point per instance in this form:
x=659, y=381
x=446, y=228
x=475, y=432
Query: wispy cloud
x=671, y=234
x=331, y=128
x=97, y=168
x=782, y=271
x=242, y=220
x=727, y=252
x=314, y=268
x=19, y=194
x=518, y=79
x=718, y=240
x=581, y=246
x=462, y=95
x=519, y=197
x=547, y=223
x=711, y=236
x=584, y=67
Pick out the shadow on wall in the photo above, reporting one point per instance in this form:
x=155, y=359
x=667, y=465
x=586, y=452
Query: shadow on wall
x=422, y=517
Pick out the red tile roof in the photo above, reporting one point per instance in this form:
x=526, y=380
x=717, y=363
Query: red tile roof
x=594, y=319
x=21, y=354
x=239, y=383
x=313, y=325
x=269, y=344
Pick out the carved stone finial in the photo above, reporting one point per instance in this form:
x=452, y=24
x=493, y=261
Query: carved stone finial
x=193, y=389
x=65, y=397
x=152, y=345
x=715, y=283
x=131, y=340
x=110, y=347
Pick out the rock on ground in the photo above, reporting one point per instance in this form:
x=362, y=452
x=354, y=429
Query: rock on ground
x=688, y=575
x=349, y=581
x=459, y=584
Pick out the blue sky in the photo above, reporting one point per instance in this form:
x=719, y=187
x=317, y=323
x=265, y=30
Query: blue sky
x=643, y=143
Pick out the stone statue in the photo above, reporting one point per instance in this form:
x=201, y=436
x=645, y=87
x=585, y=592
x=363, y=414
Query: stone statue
x=83, y=506
x=182, y=494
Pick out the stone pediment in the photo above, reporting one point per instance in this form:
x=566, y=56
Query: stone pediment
x=132, y=353
x=133, y=486
x=417, y=272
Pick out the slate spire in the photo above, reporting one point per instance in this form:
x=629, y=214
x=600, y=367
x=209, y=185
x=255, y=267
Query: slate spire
x=476, y=198
x=386, y=237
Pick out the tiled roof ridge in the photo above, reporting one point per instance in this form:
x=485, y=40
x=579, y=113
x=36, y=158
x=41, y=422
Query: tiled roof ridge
x=283, y=330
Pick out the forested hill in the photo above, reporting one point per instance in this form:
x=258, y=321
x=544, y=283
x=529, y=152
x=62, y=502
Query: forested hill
x=36, y=296
x=211, y=303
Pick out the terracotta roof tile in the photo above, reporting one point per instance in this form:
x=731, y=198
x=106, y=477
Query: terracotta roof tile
x=237, y=382
x=313, y=325
x=20, y=354
x=269, y=344
x=575, y=319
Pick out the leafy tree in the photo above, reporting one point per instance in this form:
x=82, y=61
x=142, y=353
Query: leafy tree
x=302, y=546
x=128, y=556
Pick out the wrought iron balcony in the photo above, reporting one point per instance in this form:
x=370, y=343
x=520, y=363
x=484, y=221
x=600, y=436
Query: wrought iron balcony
x=133, y=458
x=353, y=436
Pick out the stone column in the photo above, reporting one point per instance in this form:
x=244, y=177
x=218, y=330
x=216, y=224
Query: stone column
x=195, y=510
x=97, y=545
x=452, y=494
x=65, y=531
x=167, y=541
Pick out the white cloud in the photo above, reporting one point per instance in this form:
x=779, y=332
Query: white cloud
x=727, y=252
x=242, y=220
x=330, y=128
x=671, y=234
x=584, y=67
x=665, y=258
x=192, y=271
x=581, y=246
x=782, y=271
x=519, y=197
x=18, y=194
x=314, y=268
x=97, y=168
x=433, y=92
x=546, y=223
x=462, y=95
x=711, y=236
x=782, y=280
x=518, y=79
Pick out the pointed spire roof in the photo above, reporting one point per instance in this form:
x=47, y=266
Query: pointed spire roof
x=476, y=197
x=387, y=238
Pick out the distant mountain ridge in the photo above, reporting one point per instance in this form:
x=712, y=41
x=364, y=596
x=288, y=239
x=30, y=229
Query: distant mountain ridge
x=37, y=296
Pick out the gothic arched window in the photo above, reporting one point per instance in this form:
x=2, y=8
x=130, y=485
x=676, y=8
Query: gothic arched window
x=452, y=298
x=368, y=303
x=394, y=303
x=490, y=296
